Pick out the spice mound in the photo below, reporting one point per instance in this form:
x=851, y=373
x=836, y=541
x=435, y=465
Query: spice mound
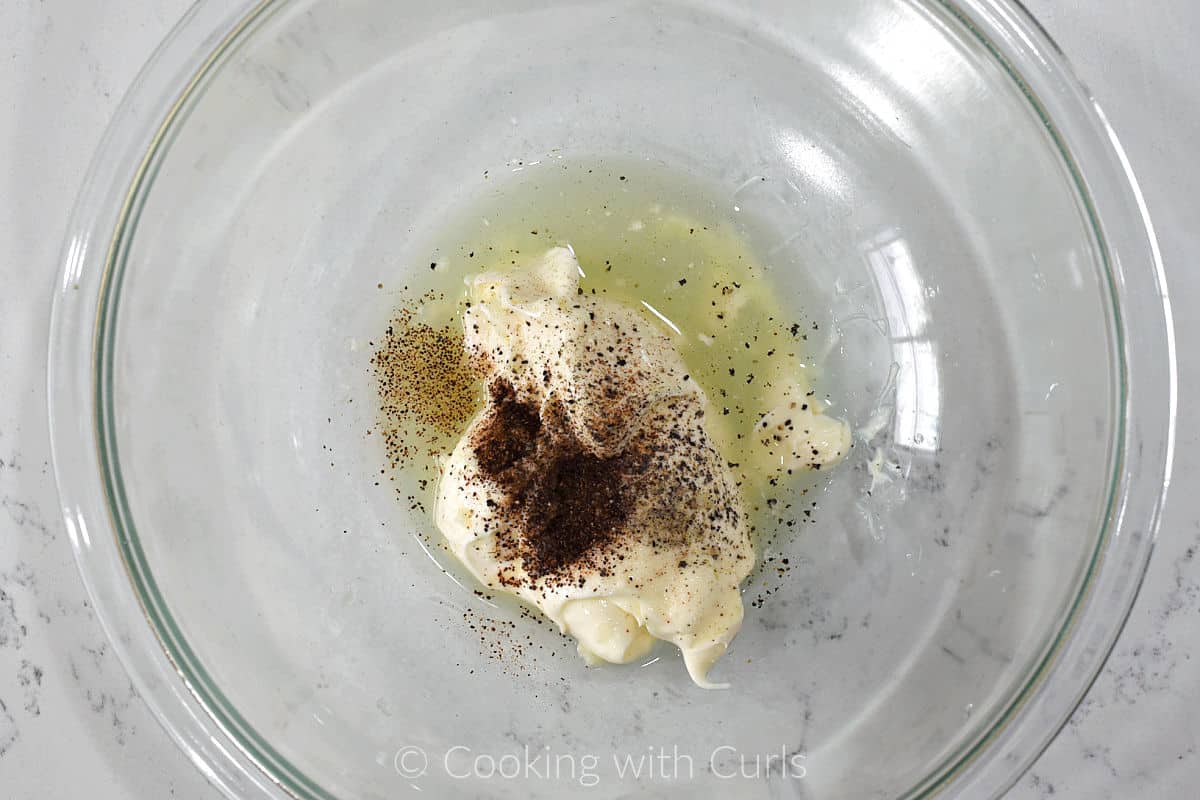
x=588, y=485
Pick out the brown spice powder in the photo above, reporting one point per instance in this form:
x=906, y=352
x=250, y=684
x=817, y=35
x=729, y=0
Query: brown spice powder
x=570, y=502
x=578, y=503
x=511, y=434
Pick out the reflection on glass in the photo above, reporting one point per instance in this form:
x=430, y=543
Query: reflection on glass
x=911, y=53
x=918, y=400
x=811, y=161
x=877, y=103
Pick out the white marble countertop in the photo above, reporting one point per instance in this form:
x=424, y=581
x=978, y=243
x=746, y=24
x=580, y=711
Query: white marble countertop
x=71, y=724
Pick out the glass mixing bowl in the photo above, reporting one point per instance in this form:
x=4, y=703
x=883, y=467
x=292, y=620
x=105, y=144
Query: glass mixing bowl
x=938, y=189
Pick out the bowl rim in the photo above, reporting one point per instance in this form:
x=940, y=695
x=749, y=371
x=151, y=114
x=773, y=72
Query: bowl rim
x=216, y=741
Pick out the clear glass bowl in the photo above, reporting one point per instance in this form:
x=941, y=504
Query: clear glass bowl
x=998, y=333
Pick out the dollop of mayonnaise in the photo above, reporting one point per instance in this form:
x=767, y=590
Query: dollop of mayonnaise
x=617, y=392
x=589, y=486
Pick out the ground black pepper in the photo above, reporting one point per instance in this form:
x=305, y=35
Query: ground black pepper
x=427, y=389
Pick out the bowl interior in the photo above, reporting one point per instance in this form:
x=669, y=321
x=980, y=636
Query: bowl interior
x=914, y=205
